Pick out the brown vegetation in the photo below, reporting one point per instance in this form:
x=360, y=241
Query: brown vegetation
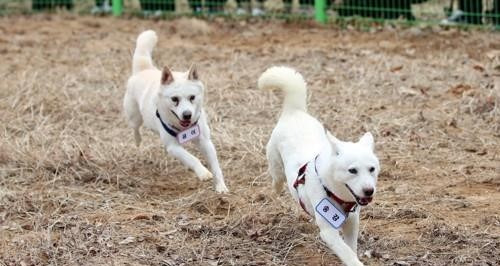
x=74, y=189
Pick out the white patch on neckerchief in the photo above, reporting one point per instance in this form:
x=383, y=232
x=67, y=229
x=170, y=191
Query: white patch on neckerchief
x=188, y=134
x=331, y=213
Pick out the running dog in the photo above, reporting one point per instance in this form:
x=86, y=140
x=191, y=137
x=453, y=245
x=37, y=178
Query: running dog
x=329, y=178
x=170, y=104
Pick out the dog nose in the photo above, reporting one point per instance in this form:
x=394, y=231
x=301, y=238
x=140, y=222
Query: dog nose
x=186, y=115
x=368, y=192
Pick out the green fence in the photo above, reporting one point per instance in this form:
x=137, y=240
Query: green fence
x=467, y=12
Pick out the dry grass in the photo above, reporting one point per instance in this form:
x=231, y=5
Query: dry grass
x=74, y=190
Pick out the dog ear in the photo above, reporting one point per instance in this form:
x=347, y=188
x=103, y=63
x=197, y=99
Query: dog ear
x=367, y=140
x=334, y=142
x=193, y=73
x=166, y=76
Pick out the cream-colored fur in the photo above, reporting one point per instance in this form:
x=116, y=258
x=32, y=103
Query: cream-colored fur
x=299, y=138
x=149, y=90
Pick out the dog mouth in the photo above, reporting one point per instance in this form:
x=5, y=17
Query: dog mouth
x=183, y=123
x=363, y=201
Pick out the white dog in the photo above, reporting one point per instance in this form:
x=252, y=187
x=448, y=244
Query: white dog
x=170, y=103
x=330, y=178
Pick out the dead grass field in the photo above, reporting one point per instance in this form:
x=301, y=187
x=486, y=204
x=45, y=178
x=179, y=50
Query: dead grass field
x=74, y=189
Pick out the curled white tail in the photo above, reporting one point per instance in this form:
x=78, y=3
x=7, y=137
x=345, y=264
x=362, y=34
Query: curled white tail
x=288, y=80
x=144, y=48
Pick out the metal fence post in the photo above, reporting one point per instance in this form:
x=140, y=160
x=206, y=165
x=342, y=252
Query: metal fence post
x=320, y=11
x=117, y=7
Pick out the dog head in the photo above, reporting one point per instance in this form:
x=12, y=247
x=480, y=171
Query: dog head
x=356, y=166
x=180, y=97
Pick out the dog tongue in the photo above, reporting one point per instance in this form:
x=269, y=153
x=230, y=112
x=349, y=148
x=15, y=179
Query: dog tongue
x=185, y=123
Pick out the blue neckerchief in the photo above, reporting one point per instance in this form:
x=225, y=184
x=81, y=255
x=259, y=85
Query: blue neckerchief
x=170, y=131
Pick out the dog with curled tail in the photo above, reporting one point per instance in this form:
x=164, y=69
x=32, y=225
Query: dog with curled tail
x=171, y=104
x=330, y=179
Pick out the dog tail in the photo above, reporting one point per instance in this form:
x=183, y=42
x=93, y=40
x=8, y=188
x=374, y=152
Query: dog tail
x=288, y=80
x=142, y=59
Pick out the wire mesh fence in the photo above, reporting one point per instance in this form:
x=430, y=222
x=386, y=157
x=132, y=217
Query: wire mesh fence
x=467, y=12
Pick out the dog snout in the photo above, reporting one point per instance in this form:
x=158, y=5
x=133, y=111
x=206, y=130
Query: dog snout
x=368, y=192
x=186, y=115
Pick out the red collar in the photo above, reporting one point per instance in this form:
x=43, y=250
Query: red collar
x=347, y=206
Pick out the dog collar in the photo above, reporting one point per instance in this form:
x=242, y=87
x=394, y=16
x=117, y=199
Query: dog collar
x=347, y=206
x=169, y=130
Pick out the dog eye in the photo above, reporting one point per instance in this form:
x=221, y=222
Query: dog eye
x=175, y=99
x=372, y=169
x=191, y=98
x=353, y=171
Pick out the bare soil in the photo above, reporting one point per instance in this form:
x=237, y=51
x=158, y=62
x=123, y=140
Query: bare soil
x=74, y=189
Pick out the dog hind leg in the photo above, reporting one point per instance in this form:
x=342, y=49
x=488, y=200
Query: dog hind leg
x=134, y=117
x=275, y=169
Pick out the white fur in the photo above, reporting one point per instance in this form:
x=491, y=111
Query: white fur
x=296, y=140
x=146, y=93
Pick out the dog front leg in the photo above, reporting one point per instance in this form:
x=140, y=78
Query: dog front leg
x=189, y=160
x=208, y=150
x=330, y=235
x=351, y=230
x=335, y=242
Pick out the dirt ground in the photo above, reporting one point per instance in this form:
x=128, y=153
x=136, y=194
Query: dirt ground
x=74, y=189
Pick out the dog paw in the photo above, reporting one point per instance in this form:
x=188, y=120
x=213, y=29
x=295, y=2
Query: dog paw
x=221, y=188
x=206, y=175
